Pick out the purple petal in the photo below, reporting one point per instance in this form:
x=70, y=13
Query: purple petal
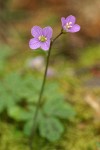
x=36, y=31
x=71, y=19
x=63, y=21
x=45, y=45
x=75, y=28
x=34, y=43
x=47, y=32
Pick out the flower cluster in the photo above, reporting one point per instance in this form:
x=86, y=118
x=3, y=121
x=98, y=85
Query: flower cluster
x=42, y=37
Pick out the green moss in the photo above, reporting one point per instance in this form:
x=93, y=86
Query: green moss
x=78, y=135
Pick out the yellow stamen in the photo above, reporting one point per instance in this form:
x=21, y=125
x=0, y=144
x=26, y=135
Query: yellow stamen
x=68, y=25
x=42, y=38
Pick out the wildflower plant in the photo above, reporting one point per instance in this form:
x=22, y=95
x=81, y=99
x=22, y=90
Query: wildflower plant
x=42, y=38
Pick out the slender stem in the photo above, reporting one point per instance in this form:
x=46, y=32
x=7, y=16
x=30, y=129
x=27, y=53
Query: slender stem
x=57, y=36
x=41, y=94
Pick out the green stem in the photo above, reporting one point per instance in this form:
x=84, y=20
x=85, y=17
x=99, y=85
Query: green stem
x=41, y=93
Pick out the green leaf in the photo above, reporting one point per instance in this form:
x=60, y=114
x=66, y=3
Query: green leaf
x=6, y=100
x=54, y=89
x=14, y=85
x=22, y=87
x=50, y=128
x=28, y=127
x=58, y=108
x=19, y=114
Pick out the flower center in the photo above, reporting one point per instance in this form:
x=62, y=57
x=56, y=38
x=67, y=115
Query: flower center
x=42, y=38
x=68, y=25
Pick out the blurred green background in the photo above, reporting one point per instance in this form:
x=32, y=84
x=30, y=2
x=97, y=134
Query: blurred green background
x=73, y=74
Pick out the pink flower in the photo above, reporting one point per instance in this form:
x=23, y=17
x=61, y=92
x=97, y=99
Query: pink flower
x=69, y=25
x=41, y=38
